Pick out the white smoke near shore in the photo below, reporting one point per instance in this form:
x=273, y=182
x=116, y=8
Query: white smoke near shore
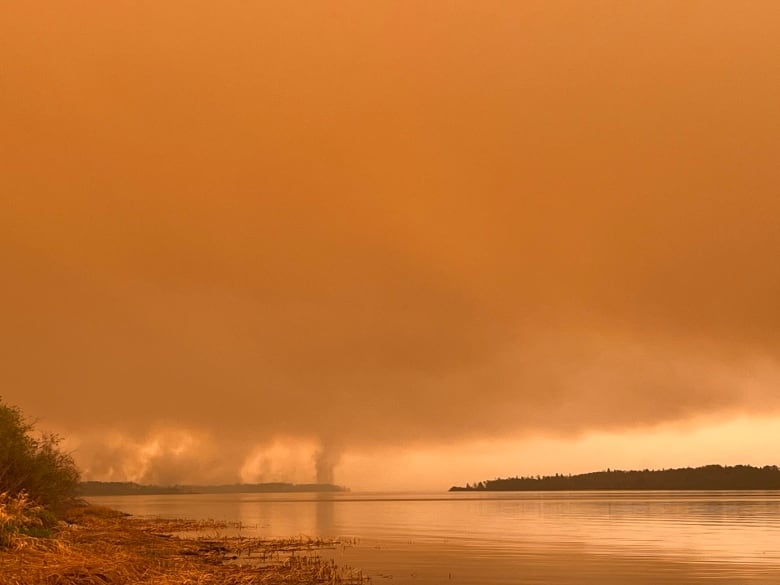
x=325, y=460
x=281, y=460
x=190, y=457
x=160, y=457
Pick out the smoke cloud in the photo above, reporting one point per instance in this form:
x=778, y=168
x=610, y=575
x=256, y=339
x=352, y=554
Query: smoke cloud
x=236, y=243
x=325, y=461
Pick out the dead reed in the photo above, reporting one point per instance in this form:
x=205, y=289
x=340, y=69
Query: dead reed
x=18, y=517
x=97, y=546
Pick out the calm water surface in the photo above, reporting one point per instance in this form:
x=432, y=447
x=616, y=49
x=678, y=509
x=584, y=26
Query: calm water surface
x=514, y=537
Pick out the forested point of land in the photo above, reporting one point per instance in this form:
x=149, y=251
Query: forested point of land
x=127, y=488
x=709, y=477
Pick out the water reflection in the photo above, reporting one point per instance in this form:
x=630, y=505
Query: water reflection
x=563, y=537
x=325, y=506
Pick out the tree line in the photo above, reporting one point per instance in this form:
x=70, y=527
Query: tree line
x=708, y=477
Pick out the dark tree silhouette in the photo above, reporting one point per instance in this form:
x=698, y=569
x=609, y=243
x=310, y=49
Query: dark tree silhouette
x=709, y=477
x=33, y=463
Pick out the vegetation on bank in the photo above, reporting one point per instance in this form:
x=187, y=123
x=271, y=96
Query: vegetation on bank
x=37, y=479
x=709, y=477
x=32, y=462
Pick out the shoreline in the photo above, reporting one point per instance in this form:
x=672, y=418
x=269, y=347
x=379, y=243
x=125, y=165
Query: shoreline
x=95, y=545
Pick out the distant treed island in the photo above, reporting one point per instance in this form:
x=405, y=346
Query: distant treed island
x=709, y=477
x=127, y=488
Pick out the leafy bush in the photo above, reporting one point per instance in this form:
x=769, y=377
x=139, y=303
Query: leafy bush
x=33, y=464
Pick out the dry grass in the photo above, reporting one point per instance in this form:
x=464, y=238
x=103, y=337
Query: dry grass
x=18, y=517
x=97, y=546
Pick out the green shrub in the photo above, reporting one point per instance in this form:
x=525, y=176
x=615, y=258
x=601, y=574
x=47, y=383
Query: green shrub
x=33, y=464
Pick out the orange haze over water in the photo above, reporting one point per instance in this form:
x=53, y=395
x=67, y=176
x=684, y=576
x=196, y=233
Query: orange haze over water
x=412, y=243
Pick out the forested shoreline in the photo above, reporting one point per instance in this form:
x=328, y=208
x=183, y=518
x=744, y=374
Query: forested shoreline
x=709, y=477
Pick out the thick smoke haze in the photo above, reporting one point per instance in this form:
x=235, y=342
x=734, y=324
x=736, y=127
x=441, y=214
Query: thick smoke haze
x=247, y=243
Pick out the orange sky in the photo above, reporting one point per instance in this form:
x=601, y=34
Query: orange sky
x=458, y=233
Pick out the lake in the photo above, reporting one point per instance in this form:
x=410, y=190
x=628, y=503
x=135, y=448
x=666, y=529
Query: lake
x=485, y=538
